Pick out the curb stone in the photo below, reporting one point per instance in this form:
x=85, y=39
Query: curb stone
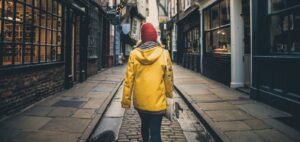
x=99, y=115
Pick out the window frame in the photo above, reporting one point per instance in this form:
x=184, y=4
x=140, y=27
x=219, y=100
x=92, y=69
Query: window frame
x=211, y=29
x=35, y=25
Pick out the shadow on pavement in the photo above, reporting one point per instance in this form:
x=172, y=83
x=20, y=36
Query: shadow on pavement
x=106, y=136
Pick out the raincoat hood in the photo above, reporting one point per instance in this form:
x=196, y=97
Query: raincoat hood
x=148, y=56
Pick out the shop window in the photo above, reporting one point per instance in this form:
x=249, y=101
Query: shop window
x=215, y=16
x=192, y=38
x=224, y=12
x=284, y=26
x=217, y=28
x=31, y=34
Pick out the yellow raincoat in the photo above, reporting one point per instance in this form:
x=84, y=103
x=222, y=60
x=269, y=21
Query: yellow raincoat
x=144, y=79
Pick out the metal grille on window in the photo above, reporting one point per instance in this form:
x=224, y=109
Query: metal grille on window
x=30, y=31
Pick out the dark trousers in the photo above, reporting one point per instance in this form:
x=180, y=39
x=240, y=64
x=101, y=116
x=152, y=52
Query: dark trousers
x=152, y=123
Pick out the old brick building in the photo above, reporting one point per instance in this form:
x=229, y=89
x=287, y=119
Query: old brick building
x=48, y=46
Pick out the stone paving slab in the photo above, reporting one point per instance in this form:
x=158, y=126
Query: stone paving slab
x=68, y=116
x=232, y=115
x=45, y=137
x=25, y=122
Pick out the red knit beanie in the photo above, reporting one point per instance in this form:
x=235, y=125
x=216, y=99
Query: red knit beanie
x=148, y=33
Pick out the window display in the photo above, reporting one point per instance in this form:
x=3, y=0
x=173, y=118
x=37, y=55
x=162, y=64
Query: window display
x=192, y=38
x=217, y=28
x=284, y=26
x=32, y=33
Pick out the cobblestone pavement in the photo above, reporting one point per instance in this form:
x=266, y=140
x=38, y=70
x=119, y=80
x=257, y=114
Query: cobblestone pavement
x=186, y=128
x=131, y=125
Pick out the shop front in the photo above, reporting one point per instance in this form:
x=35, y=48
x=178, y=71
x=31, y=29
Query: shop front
x=276, y=50
x=188, y=49
x=217, y=42
x=31, y=52
x=76, y=42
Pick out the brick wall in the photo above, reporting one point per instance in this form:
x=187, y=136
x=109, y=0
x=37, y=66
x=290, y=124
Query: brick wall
x=20, y=88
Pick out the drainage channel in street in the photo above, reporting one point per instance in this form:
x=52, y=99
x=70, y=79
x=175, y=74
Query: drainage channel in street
x=120, y=125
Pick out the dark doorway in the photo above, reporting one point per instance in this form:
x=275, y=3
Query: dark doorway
x=76, y=61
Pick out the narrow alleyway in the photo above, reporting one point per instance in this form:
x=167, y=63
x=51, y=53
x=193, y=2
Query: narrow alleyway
x=210, y=112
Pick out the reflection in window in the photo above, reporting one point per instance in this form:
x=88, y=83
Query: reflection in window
x=225, y=12
x=284, y=27
x=217, y=29
x=215, y=16
x=276, y=5
x=34, y=35
x=192, y=38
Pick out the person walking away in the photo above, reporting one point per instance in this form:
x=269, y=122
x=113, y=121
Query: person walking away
x=144, y=82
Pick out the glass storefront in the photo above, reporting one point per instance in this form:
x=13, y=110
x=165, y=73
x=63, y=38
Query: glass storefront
x=284, y=16
x=31, y=31
x=217, y=28
x=192, y=40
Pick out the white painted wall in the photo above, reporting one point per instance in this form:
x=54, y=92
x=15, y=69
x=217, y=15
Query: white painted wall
x=237, y=44
x=141, y=6
x=153, y=13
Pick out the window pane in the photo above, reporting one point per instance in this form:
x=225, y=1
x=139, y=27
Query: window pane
x=53, y=49
x=59, y=38
x=18, y=54
x=36, y=17
x=37, y=3
x=43, y=19
x=208, y=44
x=35, y=54
x=48, y=37
x=44, y=4
x=224, y=41
x=27, y=52
x=54, y=38
x=49, y=18
x=29, y=2
x=54, y=26
x=59, y=24
x=19, y=12
x=276, y=5
x=19, y=33
x=43, y=53
x=279, y=33
x=59, y=10
x=7, y=54
x=27, y=33
x=43, y=36
x=8, y=9
x=28, y=15
x=48, y=51
x=225, y=12
x=8, y=32
x=54, y=7
x=295, y=31
x=215, y=16
x=206, y=20
x=49, y=6
x=215, y=39
x=59, y=53
x=218, y=41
